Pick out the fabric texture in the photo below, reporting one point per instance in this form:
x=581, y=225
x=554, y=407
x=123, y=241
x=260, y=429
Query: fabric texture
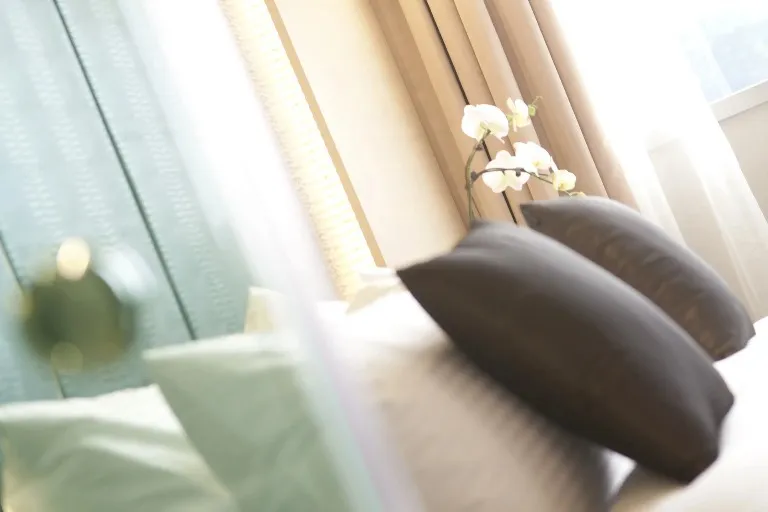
x=467, y=443
x=377, y=283
x=456, y=52
x=204, y=264
x=737, y=480
x=266, y=310
x=246, y=404
x=578, y=344
x=642, y=255
x=269, y=310
x=120, y=452
x=681, y=167
x=666, y=155
x=63, y=178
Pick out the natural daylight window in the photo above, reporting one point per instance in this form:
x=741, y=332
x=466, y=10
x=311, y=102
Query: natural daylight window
x=727, y=43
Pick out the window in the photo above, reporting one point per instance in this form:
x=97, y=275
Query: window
x=727, y=43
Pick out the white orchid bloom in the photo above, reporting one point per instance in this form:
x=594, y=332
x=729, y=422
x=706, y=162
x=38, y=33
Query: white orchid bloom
x=563, y=180
x=479, y=119
x=534, y=155
x=519, y=113
x=498, y=181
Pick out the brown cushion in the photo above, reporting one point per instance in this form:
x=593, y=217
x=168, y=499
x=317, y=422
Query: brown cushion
x=638, y=252
x=578, y=344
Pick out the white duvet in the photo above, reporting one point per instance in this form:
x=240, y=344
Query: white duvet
x=738, y=481
x=476, y=445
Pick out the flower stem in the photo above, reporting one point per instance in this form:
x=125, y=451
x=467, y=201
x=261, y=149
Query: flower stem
x=468, y=181
x=476, y=176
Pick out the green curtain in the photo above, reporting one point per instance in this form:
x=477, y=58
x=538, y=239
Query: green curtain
x=85, y=151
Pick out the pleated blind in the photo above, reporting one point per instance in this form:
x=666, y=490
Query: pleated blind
x=330, y=204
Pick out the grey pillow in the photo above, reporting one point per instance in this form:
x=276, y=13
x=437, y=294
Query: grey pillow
x=630, y=247
x=578, y=344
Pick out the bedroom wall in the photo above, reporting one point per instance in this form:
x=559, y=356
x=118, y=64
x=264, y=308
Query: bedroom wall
x=382, y=149
x=371, y=122
x=747, y=132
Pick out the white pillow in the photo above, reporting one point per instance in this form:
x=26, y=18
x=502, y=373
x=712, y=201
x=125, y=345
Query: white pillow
x=376, y=283
x=121, y=452
x=468, y=444
x=267, y=309
x=737, y=480
x=372, y=275
x=250, y=406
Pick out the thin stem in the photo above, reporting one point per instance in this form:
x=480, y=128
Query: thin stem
x=476, y=176
x=468, y=181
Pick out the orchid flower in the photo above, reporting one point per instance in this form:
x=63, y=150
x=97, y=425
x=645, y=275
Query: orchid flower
x=480, y=120
x=507, y=170
x=498, y=181
x=534, y=155
x=563, y=180
x=520, y=114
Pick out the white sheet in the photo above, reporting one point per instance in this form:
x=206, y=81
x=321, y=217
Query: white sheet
x=121, y=452
x=467, y=444
x=738, y=481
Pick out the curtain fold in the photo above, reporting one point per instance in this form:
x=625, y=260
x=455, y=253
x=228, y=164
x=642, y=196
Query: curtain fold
x=474, y=51
x=429, y=72
x=498, y=84
x=619, y=109
x=673, y=150
x=527, y=53
x=586, y=135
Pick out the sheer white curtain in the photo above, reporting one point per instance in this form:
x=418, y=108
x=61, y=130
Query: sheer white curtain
x=635, y=59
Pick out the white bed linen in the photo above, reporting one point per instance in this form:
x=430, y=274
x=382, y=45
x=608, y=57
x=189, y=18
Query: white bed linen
x=121, y=452
x=467, y=444
x=738, y=480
